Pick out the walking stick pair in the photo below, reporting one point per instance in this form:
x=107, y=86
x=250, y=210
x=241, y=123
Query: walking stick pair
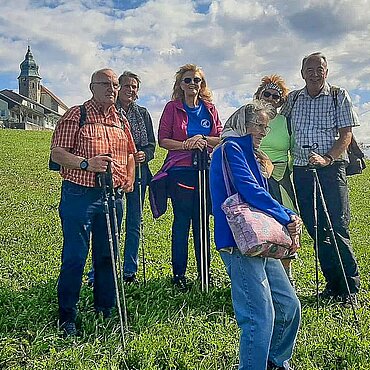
x=318, y=188
x=109, y=197
x=202, y=165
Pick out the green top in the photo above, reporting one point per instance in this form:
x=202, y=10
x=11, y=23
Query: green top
x=277, y=143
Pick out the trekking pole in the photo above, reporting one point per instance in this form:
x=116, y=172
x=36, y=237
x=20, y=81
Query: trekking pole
x=108, y=189
x=331, y=230
x=316, y=241
x=203, y=232
x=140, y=183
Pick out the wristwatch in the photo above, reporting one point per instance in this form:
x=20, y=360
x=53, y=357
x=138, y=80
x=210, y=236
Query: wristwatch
x=330, y=157
x=84, y=164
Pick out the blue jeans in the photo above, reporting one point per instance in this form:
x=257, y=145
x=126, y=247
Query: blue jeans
x=266, y=308
x=133, y=222
x=184, y=193
x=334, y=186
x=82, y=215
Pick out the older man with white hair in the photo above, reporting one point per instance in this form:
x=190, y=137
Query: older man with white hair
x=87, y=140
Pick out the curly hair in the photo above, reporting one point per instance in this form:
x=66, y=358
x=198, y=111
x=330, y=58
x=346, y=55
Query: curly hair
x=204, y=92
x=272, y=79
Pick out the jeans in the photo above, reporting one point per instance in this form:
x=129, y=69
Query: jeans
x=184, y=193
x=133, y=221
x=333, y=181
x=266, y=308
x=82, y=215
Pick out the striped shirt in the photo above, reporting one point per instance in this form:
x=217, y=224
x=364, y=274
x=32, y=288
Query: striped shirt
x=102, y=133
x=317, y=120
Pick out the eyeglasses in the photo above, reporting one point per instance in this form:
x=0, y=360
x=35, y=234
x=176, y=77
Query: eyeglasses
x=261, y=127
x=189, y=80
x=107, y=85
x=267, y=94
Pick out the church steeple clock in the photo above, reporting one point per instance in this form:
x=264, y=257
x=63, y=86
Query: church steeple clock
x=29, y=78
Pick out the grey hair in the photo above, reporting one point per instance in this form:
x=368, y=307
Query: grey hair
x=254, y=109
x=129, y=74
x=245, y=116
x=317, y=54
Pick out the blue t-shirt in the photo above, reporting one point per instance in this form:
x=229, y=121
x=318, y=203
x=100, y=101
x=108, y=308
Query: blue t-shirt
x=199, y=120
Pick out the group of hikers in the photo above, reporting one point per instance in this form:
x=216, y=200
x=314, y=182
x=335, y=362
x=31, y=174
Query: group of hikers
x=269, y=145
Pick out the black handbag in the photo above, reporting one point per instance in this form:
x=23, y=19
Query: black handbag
x=356, y=159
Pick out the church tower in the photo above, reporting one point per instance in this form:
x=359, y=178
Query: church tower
x=29, y=79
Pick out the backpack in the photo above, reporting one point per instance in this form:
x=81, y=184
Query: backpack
x=53, y=166
x=356, y=157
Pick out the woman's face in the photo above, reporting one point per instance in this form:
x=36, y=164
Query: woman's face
x=129, y=90
x=191, y=83
x=259, y=129
x=272, y=96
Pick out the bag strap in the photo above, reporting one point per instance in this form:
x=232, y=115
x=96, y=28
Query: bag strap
x=225, y=170
x=288, y=116
x=83, y=115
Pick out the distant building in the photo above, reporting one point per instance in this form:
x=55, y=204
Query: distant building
x=35, y=107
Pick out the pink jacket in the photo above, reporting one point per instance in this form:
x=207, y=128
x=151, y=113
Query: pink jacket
x=173, y=125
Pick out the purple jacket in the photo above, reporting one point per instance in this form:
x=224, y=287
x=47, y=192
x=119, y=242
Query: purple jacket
x=173, y=125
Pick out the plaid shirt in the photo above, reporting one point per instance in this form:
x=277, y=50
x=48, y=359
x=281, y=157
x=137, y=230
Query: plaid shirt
x=317, y=120
x=101, y=134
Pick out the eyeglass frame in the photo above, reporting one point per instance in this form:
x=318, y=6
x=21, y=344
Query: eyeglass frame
x=261, y=127
x=105, y=84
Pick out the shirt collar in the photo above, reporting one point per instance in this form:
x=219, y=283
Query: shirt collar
x=99, y=108
x=324, y=91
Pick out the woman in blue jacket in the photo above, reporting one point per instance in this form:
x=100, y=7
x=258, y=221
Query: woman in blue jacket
x=265, y=304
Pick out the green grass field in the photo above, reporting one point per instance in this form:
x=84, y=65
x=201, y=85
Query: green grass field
x=167, y=329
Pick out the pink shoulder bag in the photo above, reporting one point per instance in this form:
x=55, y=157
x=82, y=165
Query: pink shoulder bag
x=255, y=232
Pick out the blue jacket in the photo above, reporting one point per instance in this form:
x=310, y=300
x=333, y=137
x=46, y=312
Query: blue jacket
x=249, y=183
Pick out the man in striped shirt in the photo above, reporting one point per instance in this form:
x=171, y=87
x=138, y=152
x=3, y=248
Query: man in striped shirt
x=83, y=151
x=322, y=127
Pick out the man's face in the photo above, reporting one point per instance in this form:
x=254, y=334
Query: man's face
x=105, y=87
x=129, y=90
x=314, y=72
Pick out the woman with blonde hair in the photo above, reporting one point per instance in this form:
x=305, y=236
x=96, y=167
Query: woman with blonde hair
x=277, y=145
x=189, y=122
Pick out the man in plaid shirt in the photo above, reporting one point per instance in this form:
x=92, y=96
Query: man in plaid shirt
x=322, y=129
x=83, y=152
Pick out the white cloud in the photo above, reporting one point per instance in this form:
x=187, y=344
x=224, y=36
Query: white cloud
x=235, y=41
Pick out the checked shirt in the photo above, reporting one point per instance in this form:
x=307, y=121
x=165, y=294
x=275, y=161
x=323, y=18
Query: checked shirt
x=317, y=120
x=101, y=134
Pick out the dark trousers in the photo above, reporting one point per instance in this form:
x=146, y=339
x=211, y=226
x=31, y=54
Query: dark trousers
x=334, y=185
x=81, y=213
x=133, y=221
x=184, y=193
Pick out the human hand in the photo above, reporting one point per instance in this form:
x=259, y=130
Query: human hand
x=318, y=160
x=99, y=163
x=195, y=142
x=295, y=226
x=139, y=157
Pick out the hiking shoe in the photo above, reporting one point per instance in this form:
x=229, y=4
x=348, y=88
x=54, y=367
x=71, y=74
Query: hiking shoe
x=130, y=279
x=69, y=329
x=272, y=366
x=179, y=281
x=328, y=293
x=105, y=312
x=346, y=300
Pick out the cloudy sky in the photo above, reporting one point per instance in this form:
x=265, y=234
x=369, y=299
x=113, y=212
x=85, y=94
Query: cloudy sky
x=235, y=41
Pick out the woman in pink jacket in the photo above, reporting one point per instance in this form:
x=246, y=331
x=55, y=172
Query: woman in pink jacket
x=189, y=123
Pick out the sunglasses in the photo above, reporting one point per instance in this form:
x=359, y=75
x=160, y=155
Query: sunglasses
x=189, y=80
x=267, y=94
